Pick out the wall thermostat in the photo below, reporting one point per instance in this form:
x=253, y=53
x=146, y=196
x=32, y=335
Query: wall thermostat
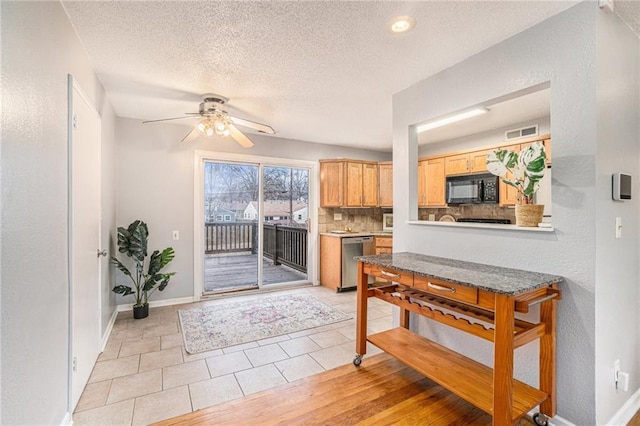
x=621, y=187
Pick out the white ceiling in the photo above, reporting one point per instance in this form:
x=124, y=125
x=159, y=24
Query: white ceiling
x=315, y=71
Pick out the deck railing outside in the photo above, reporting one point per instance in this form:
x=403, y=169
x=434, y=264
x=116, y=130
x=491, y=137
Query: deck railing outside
x=230, y=237
x=286, y=245
x=283, y=244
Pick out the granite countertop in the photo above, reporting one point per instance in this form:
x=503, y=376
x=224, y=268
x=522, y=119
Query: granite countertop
x=495, y=279
x=357, y=234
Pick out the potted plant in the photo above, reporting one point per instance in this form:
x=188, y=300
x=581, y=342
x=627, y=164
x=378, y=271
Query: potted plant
x=526, y=168
x=132, y=241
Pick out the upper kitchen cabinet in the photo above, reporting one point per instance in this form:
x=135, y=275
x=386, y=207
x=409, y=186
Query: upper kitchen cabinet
x=362, y=184
x=431, y=182
x=472, y=162
x=385, y=177
x=331, y=183
x=348, y=183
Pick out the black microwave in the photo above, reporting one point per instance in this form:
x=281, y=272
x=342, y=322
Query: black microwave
x=473, y=189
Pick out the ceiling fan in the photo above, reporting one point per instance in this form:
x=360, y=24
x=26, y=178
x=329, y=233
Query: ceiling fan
x=216, y=121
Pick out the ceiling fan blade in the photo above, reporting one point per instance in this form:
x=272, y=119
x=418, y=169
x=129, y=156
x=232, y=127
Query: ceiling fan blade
x=191, y=135
x=239, y=137
x=166, y=119
x=262, y=128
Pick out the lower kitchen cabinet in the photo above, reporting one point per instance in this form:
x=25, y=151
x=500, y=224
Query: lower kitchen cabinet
x=384, y=245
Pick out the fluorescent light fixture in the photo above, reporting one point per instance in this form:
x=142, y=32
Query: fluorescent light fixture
x=451, y=119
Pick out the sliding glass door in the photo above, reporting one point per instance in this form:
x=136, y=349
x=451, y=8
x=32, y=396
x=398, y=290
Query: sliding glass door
x=255, y=226
x=285, y=201
x=230, y=227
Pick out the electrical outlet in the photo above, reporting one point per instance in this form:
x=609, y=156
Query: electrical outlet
x=337, y=216
x=432, y=217
x=176, y=235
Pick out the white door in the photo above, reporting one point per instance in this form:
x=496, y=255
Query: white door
x=84, y=227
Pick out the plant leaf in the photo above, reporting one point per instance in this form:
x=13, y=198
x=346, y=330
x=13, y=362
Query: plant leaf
x=499, y=161
x=160, y=260
x=123, y=290
x=121, y=266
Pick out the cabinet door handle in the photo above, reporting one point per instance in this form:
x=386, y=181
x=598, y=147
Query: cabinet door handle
x=389, y=274
x=441, y=287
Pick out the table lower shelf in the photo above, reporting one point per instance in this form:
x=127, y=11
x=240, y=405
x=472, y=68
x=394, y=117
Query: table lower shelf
x=464, y=377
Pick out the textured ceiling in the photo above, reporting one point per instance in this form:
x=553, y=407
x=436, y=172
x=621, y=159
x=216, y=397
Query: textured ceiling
x=315, y=71
x=629, y=10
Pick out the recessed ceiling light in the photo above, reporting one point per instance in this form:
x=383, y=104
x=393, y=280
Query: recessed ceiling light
x=402, y=24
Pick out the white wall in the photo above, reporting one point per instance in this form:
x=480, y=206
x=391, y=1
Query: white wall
x=561, y=50
x=617, y=277
x=154, y=183
x=39, y=49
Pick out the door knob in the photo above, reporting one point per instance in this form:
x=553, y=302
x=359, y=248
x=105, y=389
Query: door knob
x=102, y=252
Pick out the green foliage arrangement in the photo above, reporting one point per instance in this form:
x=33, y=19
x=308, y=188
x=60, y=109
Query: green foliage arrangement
x=526, y=167
x=132, y=241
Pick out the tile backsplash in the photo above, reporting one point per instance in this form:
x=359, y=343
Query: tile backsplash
x=481, y=211
x=359, y=220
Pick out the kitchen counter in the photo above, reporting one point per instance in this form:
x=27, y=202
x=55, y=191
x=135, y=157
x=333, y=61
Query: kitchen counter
x=495, y=279
x=358, y=234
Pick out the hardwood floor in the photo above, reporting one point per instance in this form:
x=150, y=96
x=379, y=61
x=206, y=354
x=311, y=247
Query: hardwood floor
x=635, y=420
x=381, y=391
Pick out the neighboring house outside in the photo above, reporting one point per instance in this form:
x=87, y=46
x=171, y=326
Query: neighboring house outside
x=220, y=214
x=277, y=212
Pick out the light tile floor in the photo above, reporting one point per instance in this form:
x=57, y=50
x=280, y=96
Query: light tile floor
x=145, y=375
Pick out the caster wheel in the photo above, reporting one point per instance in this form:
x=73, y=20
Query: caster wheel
x=357, y=360
x=540, y=419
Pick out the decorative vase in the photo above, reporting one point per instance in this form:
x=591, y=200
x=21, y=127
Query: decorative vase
x=529, y=214
x=140, y=312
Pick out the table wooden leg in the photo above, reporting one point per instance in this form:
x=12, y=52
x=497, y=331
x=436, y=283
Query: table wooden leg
x=404, y=318
x=548, y=312
x=361, y=311
x=503, y=360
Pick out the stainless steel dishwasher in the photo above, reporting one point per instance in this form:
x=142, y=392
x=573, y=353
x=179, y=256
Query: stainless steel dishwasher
x=352, y=247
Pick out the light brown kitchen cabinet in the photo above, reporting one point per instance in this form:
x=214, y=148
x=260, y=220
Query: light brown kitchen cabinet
x=370, y=184
x=385, y=179
x=422, y=183
x=431, y=182
x=435, y=182
x=384, y=244
x=472, y=162
x=332, y=183
x=348, y=183
x=330, y=262
x=354, y=185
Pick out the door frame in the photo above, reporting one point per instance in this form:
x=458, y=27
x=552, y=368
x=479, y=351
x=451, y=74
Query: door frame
x=200, y=157
x=73, y=87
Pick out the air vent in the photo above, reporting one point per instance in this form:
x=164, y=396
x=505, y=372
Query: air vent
x=522, y=132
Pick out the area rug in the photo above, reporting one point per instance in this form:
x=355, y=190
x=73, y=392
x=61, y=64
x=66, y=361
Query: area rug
x=227, y=324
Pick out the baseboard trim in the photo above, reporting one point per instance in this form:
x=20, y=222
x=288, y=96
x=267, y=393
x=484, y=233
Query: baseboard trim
x=107, y=333
x=627, y=411
x=560, y=421
x=67, y=420
x=555, y=421
x=158, y=303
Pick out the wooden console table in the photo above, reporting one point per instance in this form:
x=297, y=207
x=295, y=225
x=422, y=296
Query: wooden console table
x=480, y=300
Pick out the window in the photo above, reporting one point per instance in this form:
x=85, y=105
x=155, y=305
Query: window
x=227, y=218
x=219, y=217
